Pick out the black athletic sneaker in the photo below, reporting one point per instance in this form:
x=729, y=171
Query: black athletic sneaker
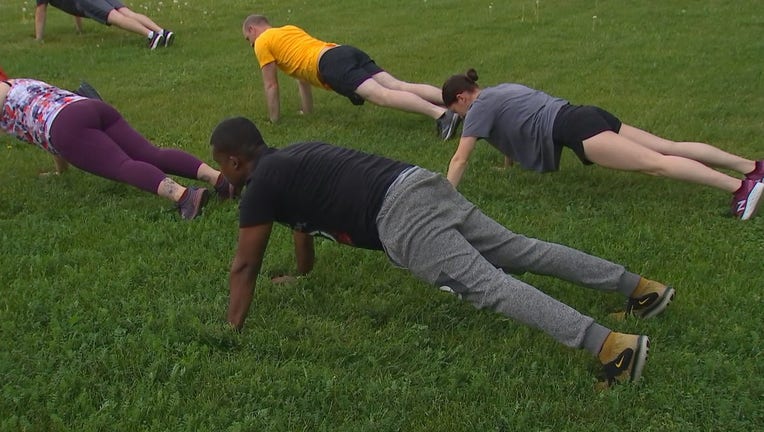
x=653, y=299
x=623, y=357
x=447, y=124
x=156, y=40
x=356, y=99
x=169, y=37
x=88, y=91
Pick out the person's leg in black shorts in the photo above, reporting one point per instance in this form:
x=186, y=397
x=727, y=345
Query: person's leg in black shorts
x=599, y=137
x=113, y=12
x=352, y=73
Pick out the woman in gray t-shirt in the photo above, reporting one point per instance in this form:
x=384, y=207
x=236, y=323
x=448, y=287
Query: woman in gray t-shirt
x=531, y=127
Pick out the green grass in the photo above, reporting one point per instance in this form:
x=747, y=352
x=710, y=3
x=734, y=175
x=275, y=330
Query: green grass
x=112, y=310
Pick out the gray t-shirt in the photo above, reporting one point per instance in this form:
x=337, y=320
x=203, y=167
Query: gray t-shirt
x=518, y=121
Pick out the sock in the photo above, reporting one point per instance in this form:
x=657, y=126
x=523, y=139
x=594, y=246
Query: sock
x=151, y=35
x=594, y=338
x=628, y=283
x=183, y=197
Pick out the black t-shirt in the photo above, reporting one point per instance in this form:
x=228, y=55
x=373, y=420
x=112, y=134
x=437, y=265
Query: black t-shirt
x=320, y=189
x=68, y=6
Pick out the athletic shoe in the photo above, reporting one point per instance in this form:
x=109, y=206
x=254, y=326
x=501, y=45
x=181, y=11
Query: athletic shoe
x=448, y=289
x=224, y=189
x=88, y=91
x=651, y=299
x=623, y=357
x=169, y=37
x=758, y=173
x=156, y=39
x=447, y=124
x=356, y=99
x=190, y=205
x=745, y=201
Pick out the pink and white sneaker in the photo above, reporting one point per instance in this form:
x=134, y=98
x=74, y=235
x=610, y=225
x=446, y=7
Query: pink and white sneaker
x=745, y=201
x=758, y=173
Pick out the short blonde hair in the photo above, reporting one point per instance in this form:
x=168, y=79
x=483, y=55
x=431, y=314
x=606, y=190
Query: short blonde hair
x=255, y=20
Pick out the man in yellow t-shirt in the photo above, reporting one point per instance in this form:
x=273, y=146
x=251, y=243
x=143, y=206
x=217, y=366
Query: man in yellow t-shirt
x=342, y=68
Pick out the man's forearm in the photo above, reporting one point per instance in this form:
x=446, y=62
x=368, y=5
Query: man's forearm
x=306, y=97
x=274, y=105
x=242, y=288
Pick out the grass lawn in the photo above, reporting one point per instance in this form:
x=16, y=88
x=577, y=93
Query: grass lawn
x=112, y=309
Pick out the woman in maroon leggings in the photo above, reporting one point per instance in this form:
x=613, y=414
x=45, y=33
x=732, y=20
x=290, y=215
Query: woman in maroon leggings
x=91, y=135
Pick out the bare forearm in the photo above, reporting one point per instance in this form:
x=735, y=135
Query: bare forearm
x=305, y=255
x=242, y=287
x=456, y=171
x=306, y=98
x=39, y=21
x=274, y=104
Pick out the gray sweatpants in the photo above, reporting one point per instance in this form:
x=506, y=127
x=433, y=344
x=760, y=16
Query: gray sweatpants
x=425, y=225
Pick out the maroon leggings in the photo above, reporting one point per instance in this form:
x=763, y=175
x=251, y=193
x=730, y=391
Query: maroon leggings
x=94, y=137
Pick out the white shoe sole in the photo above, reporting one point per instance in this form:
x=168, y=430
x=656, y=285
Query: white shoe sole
x=640, y=358
x=752, y=203
x=668, y=296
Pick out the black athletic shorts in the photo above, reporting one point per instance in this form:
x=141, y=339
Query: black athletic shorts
x=97, y=10
x=344, y=68
x=575, y=123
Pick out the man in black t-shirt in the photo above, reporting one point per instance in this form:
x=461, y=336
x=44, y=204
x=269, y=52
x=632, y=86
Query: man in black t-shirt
x=107, y=12
x=424, y=225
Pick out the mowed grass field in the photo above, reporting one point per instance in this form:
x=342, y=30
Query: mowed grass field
x=112, y=309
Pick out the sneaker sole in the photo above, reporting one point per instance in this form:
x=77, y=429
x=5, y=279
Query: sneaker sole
x=640, y=358
x=156, y=42
x=169, y=39
x=451, y=127
x=663, y=302
x=752, y=204
x=205, y=196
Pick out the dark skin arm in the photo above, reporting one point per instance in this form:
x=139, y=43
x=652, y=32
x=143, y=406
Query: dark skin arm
x=304, y=253
x=244, y=270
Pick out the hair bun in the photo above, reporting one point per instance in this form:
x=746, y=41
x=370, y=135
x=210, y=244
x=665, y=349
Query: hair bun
x=472, y=74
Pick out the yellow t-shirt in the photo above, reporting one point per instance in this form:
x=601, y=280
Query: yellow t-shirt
x=294, y=51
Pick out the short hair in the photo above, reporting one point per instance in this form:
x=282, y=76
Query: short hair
x=459, y=84
x=255, y=20
x=237, y=136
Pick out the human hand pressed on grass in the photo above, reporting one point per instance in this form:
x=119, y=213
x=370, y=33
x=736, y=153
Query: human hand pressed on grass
x=285, y=279
x=508, y=163
x=282, y=277
x=61, y=166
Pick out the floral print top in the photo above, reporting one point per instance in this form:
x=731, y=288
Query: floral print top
x=30, y=108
